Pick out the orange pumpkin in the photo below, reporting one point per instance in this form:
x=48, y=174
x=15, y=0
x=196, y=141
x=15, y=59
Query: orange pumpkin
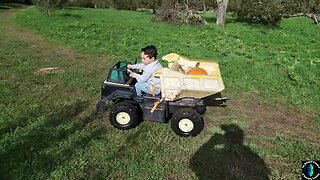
x=197, y=70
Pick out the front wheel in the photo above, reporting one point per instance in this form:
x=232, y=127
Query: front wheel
x=187, y=122
x=124, y=116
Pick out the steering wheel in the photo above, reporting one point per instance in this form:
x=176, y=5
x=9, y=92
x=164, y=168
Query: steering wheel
x=138, y=71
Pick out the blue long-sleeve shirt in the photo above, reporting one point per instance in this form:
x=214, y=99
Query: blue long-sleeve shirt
x=148, y=71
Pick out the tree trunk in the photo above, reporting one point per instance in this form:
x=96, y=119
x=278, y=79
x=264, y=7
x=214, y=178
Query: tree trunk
x=314, y=17
x=221, y=12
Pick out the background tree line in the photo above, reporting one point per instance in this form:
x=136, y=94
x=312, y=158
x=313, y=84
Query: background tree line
x=181, y=11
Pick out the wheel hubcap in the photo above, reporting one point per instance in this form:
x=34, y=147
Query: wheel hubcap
x=186, y=125
x=123, y=118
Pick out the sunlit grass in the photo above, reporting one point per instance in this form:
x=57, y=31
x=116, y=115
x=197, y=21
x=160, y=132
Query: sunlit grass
x=48, y=125
x=282, y=64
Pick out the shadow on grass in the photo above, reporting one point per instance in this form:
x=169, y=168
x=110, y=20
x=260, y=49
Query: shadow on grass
x=225, y=157
x=213, y=19
x=257, y=24
x=38, y=151
x=231, y=18
x=71, y=15
x=73, y=8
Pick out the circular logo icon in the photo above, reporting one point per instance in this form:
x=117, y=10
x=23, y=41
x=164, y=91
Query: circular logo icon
x=310, y=170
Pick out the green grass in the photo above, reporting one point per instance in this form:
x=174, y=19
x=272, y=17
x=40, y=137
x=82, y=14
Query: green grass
x=282, y=64
x=48, y=126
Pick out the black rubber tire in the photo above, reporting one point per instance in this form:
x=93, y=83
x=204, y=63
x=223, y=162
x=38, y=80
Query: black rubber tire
x=201, y=109
x=129, y=109
x=190, y=114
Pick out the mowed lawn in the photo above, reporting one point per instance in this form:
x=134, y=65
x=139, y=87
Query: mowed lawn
x=48, y=125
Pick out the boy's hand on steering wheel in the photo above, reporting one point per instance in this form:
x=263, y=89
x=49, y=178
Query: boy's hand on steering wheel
x=131, y=74
x=129, y=66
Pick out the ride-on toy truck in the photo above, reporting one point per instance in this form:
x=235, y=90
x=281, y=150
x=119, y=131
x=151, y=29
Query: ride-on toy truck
x=183, y=98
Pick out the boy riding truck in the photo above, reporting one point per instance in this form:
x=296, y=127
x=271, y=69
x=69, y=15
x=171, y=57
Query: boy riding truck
x=188, y=86
x=146, y=82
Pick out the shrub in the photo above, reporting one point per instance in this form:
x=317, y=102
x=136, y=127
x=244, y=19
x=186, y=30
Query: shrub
x=48, y=6
x=262, y=11
x=271, y=11
x=173, y=11
x=125, y=4
x=291, y=7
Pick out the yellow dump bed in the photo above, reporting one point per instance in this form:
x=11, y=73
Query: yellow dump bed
x=176, y=84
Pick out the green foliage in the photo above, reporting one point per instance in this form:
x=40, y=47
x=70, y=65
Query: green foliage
x=178, y=12
x=271, y=12
x=48, y=6
x=80, y=3
x=125, y=4
x=291, y=7
x=315, y=7
x=262, y=11
x=103, y=3
x=156, y=4
x=135, y=4
x=200, y=5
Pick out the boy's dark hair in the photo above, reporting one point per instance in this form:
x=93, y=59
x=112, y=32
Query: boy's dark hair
x=151, y=51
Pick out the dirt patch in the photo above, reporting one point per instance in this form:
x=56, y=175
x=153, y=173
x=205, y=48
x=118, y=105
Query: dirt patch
x=24, y=35
x=265, y=119
x=35, y=40
x=48, y=70
x=39, y=44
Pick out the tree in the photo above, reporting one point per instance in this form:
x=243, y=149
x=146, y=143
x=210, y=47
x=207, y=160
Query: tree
x=270, y=12
x=259, y=11
x=178, y=12
x=221, y=12
x=48, y=6
x=309, y=8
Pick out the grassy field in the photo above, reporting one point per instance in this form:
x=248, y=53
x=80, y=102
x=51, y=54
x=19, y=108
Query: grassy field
x=280, y=63
x=48, y=125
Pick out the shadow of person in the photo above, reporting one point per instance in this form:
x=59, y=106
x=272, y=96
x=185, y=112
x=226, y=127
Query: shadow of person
x=225, y=157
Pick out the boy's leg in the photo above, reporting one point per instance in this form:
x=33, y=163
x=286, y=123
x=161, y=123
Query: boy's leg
x=142, y=87
x=145, y=87
x=156, y=90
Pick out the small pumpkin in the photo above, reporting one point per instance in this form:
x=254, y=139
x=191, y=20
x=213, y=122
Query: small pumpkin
x=197, y=70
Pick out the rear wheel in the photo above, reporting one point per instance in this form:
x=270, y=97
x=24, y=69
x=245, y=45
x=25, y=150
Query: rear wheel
x=187, y=122
x=124, y=116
